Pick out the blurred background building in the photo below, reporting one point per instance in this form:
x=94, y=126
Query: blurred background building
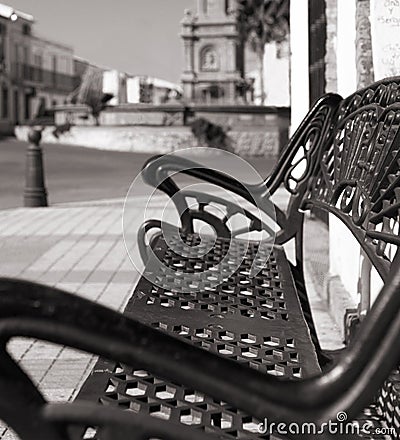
x=38, y=74
x=220, y=64
x=34, y=71
x=213, y=53
x=139, y=89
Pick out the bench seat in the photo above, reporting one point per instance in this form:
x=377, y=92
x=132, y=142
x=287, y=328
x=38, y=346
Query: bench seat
x=257, y=321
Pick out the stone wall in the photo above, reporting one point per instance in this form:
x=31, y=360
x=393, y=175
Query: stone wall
x=252, y=130
x=123, y=114
x=228, y=116
x=156, y=139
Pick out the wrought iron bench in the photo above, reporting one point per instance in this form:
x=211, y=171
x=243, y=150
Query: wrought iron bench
x=201, y=363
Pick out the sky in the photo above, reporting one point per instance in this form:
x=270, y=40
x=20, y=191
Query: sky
x=135, y=36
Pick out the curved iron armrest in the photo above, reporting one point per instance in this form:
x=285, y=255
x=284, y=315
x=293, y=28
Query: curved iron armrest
x=144, y=228
x=314, y=130
x=114, y=424
x=157, y=173
x=33, y=310
x=219, y=224
x=157, y=170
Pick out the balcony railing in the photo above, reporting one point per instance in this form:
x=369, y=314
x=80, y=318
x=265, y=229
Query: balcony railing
x=32, y=75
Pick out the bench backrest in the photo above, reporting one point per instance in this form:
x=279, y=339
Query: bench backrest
x=357, y=177
x=348, y=151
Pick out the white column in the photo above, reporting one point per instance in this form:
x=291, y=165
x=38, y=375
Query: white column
x=299, y=82
x=344, y=251
x=346, y=47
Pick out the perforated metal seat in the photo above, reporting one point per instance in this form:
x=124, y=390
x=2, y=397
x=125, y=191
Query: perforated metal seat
x=256, y=321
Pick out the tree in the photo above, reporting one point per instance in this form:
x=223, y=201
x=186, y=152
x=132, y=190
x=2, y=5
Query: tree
x=261, y=22
x=90, y=92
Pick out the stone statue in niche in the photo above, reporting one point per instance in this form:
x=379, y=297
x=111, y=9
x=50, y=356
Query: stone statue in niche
x=209, y=59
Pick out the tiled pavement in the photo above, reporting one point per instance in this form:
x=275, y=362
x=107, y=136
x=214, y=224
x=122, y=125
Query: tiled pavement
x=78, y=248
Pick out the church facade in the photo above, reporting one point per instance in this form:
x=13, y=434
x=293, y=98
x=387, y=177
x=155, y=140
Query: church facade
x=213, y=54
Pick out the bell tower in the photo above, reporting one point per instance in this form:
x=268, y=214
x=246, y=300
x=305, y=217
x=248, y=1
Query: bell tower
x=214, y=53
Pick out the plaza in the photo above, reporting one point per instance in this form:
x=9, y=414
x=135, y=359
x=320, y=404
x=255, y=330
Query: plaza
x=206, y=246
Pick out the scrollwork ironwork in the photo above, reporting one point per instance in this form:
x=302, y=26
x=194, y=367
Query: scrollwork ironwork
x=358, y=176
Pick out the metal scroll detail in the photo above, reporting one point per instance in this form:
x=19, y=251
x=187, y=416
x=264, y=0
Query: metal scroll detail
x=299, y=169
x=358, y=176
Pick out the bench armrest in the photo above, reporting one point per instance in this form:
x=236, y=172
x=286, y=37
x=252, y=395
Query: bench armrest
x=157, y=173
x=304, y=146
x=113, y=424
x=216, y=212
x=33, y=310
x=301, y=151
x=313, y=130
x=158, y=170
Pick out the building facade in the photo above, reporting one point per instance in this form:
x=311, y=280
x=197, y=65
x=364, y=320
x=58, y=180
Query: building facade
x=126, y=88
x=35, y=72
x=213, y=53
x=220, y=67
x=149, y=90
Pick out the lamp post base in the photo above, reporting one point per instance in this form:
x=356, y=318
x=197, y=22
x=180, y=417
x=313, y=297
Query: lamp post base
x=35, y=194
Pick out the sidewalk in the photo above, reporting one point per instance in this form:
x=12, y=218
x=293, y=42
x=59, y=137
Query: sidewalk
x=79, y=248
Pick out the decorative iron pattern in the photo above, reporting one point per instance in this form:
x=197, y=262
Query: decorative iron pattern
x=292, y=171
x=241, y=319
x=218, y=213
x=304, y=154
x=141, y=392
x=388, y=402
x=300, y=167
x=382, y=93
x=358, y=175
x=375, y=427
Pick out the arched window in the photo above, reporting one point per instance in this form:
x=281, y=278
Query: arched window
x=205, y=6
